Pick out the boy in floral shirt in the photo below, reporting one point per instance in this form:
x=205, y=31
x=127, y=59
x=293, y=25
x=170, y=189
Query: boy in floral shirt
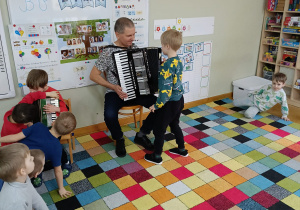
x=266, y=97
x=170, y=101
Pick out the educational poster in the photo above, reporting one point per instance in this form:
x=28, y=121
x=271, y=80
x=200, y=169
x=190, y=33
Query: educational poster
x=188, y=26
x=137, y=11
x=80, y=40
x=196, y=60
x=34, y=46
x=6, y=82
x=79, y=28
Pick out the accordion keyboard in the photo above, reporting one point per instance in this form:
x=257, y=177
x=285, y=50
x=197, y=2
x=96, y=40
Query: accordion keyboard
x=125, y=77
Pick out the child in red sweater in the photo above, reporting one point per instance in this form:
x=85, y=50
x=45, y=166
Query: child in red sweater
x=13, y=126
x=37, y=80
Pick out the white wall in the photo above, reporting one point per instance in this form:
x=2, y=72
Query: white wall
x=236, y=39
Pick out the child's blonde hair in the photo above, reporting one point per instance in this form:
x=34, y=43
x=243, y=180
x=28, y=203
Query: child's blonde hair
x=38, y=160
x=172, y=38
x=37, y=78
x=65, y=123
x=279, y=77
x=12, y=160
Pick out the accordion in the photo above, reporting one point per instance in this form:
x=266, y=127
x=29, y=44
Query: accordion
x=46, y=118
x=138, y=70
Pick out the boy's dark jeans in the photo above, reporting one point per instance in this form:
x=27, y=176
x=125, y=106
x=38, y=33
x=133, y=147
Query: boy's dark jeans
x=112, y=105
x=166, y=116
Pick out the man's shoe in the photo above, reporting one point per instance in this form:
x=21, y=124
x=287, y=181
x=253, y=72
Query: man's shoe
x=120, y=148
x=144, y=141
x=66, y=169
x=152, y=159
x=176, y=151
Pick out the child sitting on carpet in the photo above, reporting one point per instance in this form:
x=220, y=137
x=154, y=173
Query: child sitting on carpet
x=170, y=100
x=265, y=98
x=17, y=192
x=50, y=145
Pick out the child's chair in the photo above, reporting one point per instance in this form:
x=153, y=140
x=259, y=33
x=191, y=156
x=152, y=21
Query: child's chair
x=67, y=139
x=135, y=110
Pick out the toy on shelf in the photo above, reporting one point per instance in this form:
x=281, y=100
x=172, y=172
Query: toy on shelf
x=289, y=58
x=297, y=84
x=273, y=23
x=271, y=40
x=275, y=5
x=268, y=71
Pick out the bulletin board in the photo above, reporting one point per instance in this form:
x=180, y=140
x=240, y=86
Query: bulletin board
x=6, y=82
x=63, y=36
x=196, y=60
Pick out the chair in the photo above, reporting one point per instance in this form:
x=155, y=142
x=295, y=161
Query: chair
x=69, y=138
x=135, y=110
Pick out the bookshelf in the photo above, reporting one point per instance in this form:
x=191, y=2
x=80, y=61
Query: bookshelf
x=277, y=53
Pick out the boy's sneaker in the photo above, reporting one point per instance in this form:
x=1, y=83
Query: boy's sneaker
x=66, y=169
x=176, y=151
x=38, y=181
x=152, y=159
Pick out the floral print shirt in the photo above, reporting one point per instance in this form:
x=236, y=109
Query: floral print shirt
x=169, y=82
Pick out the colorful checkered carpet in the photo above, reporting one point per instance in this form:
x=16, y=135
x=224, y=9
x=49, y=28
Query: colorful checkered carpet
x=233, y=163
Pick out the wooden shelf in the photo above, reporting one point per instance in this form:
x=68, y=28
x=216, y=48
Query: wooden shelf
x=271, y=44
x=291, y=33
x=293, y=94
x=290, y=47
x=275, y=11
x=273, y=63
x=289, y=12
x=286, y=66
x=272, y=31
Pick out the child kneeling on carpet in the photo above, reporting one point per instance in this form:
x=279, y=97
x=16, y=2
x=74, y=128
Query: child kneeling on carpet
x=17, y=192
x=39, y=162
x=265, y=98
x=170, y=100
x=40, y=137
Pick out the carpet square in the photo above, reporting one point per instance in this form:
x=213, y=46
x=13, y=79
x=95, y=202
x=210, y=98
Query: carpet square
x=289, y=152
x=265, y=199
x=220, y=202
x=107, y=189
x=88, y=197
x=284, y=170
x=91, y=171
x=220, y=170
x=289, y=185
x=99, y=179
x=191, y=199
x=261, y=182
x=235, y=195
x=174, y=203
x=115, y=200
x=178, y=188
x=125, y=182
x=248, y=188
x=220, y=185
x=250, y=204
x=134, y=192
x=234, y=179
x=278, y=192
x=162, y=195
x=141, y=176
x=182, y=173
x=206, y=191
x=116, y=173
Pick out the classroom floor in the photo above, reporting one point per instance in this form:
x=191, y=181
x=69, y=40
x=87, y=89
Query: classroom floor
x=233, y=163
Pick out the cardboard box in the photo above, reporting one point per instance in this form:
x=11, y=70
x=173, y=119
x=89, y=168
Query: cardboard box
x=242, y=87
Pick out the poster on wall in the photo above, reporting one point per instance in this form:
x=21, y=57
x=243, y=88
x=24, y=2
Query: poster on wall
x=34, y=46
x=137, y=11
x=7, y=89
x=196, y=61
x=188, y=26
x=78, y=29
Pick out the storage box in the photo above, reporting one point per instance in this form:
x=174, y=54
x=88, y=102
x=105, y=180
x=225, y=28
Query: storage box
x=242, y=87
